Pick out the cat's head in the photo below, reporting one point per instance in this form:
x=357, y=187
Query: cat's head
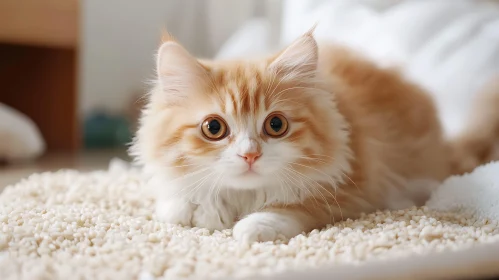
x=245, y=124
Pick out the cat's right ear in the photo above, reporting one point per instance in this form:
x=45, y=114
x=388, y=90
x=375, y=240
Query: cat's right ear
x=299, y=60
x=179, y=73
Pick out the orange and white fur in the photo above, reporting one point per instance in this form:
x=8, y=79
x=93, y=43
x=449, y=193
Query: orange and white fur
x=285, y=144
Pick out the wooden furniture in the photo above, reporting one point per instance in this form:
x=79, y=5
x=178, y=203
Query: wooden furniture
x=39, y=66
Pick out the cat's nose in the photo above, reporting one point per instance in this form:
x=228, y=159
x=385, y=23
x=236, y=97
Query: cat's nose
x=251, y=157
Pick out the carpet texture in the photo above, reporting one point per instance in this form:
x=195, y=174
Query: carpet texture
x=101, y=225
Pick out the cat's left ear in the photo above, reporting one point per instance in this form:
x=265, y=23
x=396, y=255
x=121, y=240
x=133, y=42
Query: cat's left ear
x=299, y=60
x=179, y=73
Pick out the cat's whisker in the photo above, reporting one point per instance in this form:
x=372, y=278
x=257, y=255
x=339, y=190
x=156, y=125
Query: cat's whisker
x=271, y=82
x=197, y=183
x=181, y=158
x=288, y=178
x=278, y=99
x=211, y=189
x=322, y=155
x=190, y=174
x=350, y=179
x=274, y=76
x=314, y=159
x=314, y=182
x=326, y=162
x=327, y=201
x=185, y=165
x=197, y=187
x=343, y=173
x=291, y=88
x=302, y=187
x=298, y=181
x=330, y=178
x=283, y=189
x=280, y=81
x=286, y=99
x=324, y=199
x=331, y=181
x=217, y=187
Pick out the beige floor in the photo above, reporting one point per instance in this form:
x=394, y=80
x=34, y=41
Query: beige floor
x=85, y=161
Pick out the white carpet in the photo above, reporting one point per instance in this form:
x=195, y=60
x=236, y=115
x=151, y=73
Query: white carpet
x=70, y=225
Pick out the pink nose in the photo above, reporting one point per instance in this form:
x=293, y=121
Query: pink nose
x=251, y=157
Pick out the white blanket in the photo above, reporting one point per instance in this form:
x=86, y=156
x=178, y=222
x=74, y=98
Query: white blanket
x=476, y=194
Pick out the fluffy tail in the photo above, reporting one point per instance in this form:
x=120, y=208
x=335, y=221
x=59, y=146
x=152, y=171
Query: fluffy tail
x=479, y=142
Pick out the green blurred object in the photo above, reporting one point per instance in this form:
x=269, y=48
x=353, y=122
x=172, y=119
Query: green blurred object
x=102, y=130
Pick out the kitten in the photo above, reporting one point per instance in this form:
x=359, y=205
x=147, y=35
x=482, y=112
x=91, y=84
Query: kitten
x=285, y=144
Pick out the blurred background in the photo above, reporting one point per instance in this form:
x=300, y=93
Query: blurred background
x=72, y=72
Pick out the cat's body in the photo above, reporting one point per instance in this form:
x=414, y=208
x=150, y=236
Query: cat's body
x=285, y=144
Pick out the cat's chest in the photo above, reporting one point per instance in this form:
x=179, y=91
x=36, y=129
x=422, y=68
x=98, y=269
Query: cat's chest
x=240, y=203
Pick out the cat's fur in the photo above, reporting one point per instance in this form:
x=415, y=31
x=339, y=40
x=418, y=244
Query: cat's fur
x=360, y=138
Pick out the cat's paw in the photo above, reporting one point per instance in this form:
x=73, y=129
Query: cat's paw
x=175, y=211
x=266, y=226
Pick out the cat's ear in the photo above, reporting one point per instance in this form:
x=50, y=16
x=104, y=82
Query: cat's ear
x=299, y=60
x=179, y=73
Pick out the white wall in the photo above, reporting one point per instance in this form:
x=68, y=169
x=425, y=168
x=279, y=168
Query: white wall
x=119, y=38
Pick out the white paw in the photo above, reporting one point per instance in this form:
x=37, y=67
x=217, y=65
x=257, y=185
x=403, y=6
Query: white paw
x=175, y=211
x=266, y=226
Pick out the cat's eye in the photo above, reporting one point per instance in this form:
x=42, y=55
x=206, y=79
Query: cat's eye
x=214, y=128
x=275, y=125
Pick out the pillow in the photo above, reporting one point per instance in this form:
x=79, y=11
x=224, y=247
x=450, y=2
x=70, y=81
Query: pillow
x=20, y=138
